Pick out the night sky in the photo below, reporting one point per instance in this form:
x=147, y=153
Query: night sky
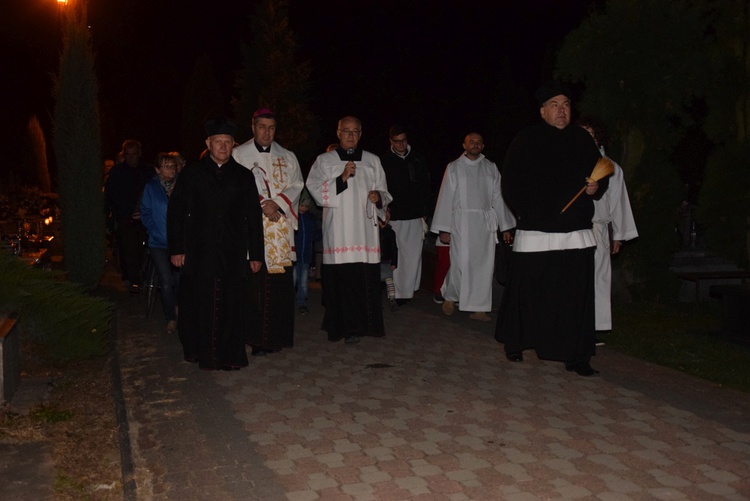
x=442, y=67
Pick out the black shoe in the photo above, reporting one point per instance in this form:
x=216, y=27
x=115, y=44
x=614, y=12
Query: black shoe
x=402, y=302
x=259, y=352
x=352, y=340
x=394, y=304
x=582, y=369
x=438, y=298
x=514, y=357
x=599, y=342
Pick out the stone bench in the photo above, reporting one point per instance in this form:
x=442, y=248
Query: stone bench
x=699, y=276
x=10, y=357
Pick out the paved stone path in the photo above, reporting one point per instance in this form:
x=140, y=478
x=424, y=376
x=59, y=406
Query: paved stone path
x=433, y=411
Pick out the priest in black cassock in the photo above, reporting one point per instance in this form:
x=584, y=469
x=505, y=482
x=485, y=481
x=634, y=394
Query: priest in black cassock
x=548, y=303
x=215, y=237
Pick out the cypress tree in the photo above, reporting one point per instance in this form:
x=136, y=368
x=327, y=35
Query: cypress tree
x=77, y=146
x=38, y=151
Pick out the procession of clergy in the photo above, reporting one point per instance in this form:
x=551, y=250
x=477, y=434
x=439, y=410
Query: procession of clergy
x=236, y=255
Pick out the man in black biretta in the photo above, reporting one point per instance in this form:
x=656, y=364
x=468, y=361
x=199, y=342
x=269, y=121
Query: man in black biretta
x=220, y=125
x=551, y=89
x=548, y=304
x=215, y=237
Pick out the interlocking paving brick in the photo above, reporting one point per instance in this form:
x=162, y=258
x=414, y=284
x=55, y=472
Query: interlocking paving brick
x=432, y=411
x=653, y=457
x=573, y=492
x=611, y=462
x=616, y=485
x=422, y=468
x=721, y=489
x=667, y=479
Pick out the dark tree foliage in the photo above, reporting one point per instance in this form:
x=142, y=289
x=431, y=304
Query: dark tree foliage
x=203, y=100
x=77, y=146
x=272, y=78
x=512, y=109
x=655, y=196
x=644, y=66
x=724, y=201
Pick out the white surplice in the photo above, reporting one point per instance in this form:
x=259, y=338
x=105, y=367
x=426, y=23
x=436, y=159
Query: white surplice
x=350, y=227
x=278, y=178
x=613, y=207
x=470, y=207
x=407, y=277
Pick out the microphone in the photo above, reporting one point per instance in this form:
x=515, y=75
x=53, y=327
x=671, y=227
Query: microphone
x=350, y=153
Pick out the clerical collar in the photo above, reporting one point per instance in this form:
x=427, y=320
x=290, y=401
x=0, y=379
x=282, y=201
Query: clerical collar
x=354, y=156
x=261, y=148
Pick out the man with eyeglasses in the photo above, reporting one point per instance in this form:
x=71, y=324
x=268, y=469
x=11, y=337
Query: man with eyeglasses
x=350, y=185
x=469, y=212
x=409, y=183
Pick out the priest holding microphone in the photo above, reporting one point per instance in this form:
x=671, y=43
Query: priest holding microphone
x=350, y=185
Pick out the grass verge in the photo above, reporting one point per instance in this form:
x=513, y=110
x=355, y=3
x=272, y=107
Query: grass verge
x=683, y=336
x=77, y=420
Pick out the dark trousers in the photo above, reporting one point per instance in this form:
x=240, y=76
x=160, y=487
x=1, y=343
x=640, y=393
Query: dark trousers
x=169, y=278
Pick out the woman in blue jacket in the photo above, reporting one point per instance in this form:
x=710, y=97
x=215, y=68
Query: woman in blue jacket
x=154, y=218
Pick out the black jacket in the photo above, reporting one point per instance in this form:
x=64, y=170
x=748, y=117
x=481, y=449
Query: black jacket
x=123, y=189
x=544, y=168
x=409, y=183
